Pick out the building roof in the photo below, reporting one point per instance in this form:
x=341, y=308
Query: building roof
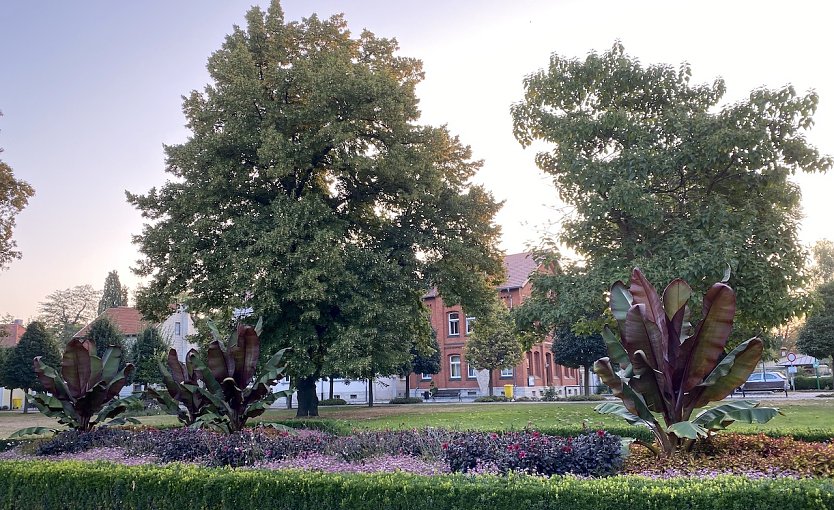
x=128, y=319
x=517, y=268
x=10, y=334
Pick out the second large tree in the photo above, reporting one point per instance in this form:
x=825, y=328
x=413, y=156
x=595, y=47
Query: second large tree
x=308, y=190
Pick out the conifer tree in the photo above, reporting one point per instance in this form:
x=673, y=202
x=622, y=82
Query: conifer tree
x=18, y=371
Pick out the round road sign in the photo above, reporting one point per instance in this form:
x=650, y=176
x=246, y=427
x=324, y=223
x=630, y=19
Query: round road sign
x=791, y=357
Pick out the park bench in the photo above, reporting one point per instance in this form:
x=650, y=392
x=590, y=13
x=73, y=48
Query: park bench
x=448, y=393
x=753, y=386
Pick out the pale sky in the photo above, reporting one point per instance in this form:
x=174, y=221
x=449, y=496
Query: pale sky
x=90, y=92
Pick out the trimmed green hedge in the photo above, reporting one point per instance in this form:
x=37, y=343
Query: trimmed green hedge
x=810, y=383
x=104, y=486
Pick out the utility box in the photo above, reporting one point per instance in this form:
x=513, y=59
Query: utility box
x=508, y=390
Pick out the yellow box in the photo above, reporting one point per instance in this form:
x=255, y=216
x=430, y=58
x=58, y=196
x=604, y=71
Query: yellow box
x=508, y=390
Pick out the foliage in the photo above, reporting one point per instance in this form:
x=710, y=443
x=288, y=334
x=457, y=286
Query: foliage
x=73, y=441
x=36, y=341
x=659, y=174
x=823, y=254
x=817, y=335
x=810, y=383
x=574, y=351
x=104, y=333
x=84, y=394
x=146, y=353
x=230, y=382
x=333, y=402
x=406, y=400
x=667, y=369
x=106, y=486
x=114, y=293
x=492, y=398
x=66, y=311
x=182, y=396
x=425, y=359
x=494, y=344
x=308, y=189
x=741, y=454
x=14, y=196
x=592, y=454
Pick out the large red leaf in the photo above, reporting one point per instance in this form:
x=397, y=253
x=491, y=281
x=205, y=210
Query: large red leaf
x=707, y=345
x=75, y=368
x=644, y=293
x=217, y=363
x=640, y=334
x=177, y=369
x=246, y=354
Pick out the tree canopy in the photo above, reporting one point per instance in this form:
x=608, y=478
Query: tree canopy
x=14, y=196
x=659, y=174
x=494, y=343
x=816, y=338
x=65, y=312
x=308, y=188
x=105, y=333
x=114, y=293
x=574, y=351
x=145, y=353
x=18, y=371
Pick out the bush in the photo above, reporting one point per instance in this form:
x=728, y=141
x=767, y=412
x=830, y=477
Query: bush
x=492, y=398
x=329, y=426
x=549, y=394
x=407, y=400
x=581, y=398
x=810, y=383
x=333, y=402
x=590, y=454
x=103, y=486
x=526, y=399
x=73, y=441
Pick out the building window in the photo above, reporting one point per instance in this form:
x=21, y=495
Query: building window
x=454, y=324
x=470, y=371
x=506, y=372
x=454, y=366
x=177, y=329
x=470, y=325
x=426, y=377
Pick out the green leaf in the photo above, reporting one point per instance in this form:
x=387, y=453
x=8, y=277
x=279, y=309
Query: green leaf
x=32, y=431
x=620, y=411
x=620, y=300
x=675, y=297
x=745, y=411
x=615, y=348
x=730, y=373
x=687, y=430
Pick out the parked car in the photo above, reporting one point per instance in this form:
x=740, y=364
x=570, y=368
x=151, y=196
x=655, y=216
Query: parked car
x=767, y=381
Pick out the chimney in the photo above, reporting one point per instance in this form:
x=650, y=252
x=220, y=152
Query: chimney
x=19, y=322
x=783, y=351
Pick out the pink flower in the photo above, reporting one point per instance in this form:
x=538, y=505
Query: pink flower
x=600, y=433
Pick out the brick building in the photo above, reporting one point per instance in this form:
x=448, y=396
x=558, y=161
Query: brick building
x=529, y=378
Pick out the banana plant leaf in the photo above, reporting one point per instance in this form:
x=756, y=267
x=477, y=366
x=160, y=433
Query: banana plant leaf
x=707, y=345
x=620, y=411
x=615, y=348
x=745, y=411
x=620, y=300
x=245, y=354
x=687, y=430
x=32, y=431
x=729, y=374
x=75, y=368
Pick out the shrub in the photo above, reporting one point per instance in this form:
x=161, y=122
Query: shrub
x=334, y=427
x=590, y=454
x=549, y=394
x=407, y=400
x=810, y=383
x=581, y=398
x=492, y=398
x=73, y=441
x=333, y=402
x=103, y=486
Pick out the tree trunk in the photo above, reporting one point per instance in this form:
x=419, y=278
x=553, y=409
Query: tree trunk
x=330, y=395
x=408, y=385
x=370, y=392
x=489, y=384
x=25, y=401
x=289, y=401
x=587, y=380
x=308, y=402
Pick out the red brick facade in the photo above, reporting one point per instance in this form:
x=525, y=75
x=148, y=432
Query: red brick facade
x=536, y=370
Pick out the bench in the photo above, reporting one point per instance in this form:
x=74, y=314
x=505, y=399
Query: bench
x=764, y=386
x=446, y=394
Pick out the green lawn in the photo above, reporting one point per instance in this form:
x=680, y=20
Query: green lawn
x=798, y=414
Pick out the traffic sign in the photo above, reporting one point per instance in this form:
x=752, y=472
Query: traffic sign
x=791, y=357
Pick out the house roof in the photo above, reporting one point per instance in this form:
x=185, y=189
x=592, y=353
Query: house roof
x=128, y=319
x=10, y=334
x=517, y=268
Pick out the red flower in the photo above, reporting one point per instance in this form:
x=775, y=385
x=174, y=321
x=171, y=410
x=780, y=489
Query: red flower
x=521, y=454
x=600, y=432
x=567, y=449
x=536, y=433
x=445, y=446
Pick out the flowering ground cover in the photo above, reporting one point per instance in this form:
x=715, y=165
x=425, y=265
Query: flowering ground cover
x=435, y=451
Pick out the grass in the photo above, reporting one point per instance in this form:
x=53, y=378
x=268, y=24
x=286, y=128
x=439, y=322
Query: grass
x=798, y=414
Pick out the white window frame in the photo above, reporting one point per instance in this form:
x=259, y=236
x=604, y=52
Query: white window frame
x=506, y=372
x=470, y=371
x=454, y=323
x=454, y=366
x=178, y=328
x=470, y=325
x=425, y=377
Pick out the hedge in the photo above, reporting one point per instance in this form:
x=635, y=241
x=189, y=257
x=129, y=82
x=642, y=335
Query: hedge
x=810, y=383
x=80, y=486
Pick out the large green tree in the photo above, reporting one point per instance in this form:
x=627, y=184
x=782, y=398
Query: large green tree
x=146, y=353
x=114, y=293
x=308, y=189
x=14, y=195
x=18, y=371
x=574, y=351
x=494, y=344
x=816, y=338
x=65, y=312
x=104, y=333
x=659, y=174
x=425, y=359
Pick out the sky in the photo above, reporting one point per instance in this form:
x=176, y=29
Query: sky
x=91, y=92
